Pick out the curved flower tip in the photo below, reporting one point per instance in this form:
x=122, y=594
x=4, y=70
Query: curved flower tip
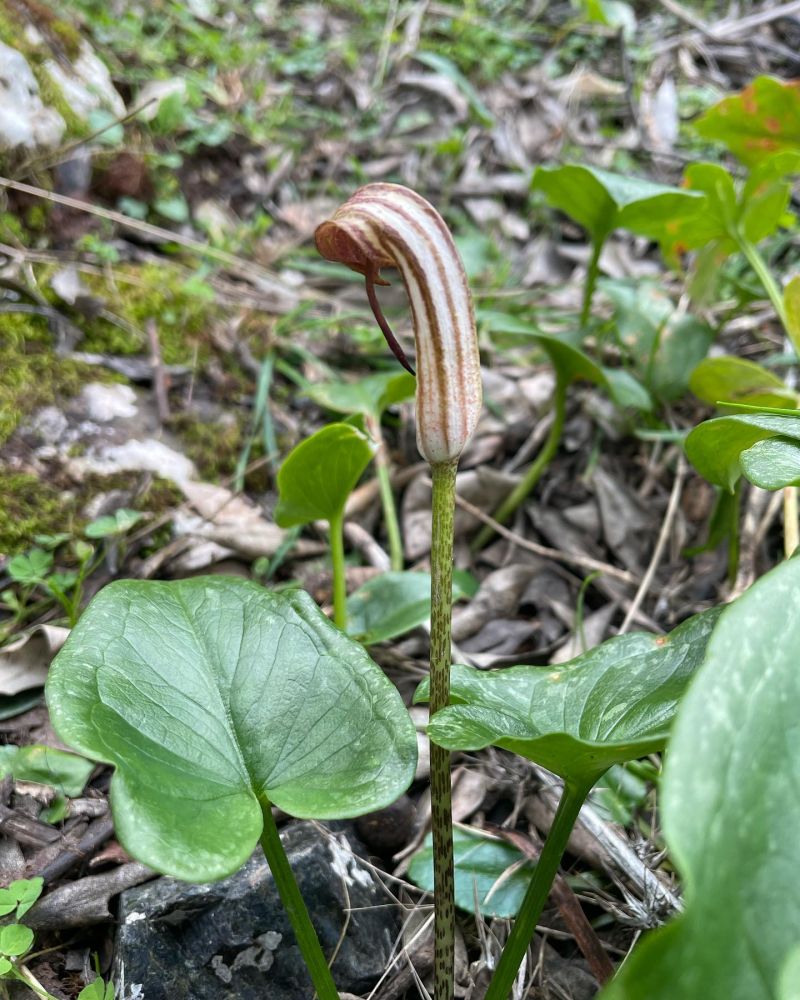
x=387, y=225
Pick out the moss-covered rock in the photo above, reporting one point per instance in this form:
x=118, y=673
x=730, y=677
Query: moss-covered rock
x=33, y=507
x=152, y=292
x=31, y=373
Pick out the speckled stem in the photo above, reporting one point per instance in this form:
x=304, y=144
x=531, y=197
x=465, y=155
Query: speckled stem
x=295, y=907
x=443, y=507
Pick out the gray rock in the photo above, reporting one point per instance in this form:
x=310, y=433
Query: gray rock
x=232, y=938
x=25, y=123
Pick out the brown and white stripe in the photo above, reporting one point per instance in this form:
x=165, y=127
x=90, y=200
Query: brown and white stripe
x=387, y=225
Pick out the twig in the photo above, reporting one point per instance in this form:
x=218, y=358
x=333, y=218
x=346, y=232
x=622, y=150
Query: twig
x=237, y=264
x=46, y=160
x=585, y=562
x=663, y=536
x=724, y=29
x=159, y=375
x=97, y=833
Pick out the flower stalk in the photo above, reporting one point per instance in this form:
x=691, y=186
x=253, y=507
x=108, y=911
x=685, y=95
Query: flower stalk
x=386, y=225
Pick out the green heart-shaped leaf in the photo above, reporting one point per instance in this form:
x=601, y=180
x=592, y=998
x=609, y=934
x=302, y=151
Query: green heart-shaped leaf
x=602, y=201
x=715, y=447
x=319, y=475
x=490, y=871
x=731, y=811
x=758, y=122
x=390, y=605
x=369, y=396
x=211, y=693
x=612, y=704
x=737, y=380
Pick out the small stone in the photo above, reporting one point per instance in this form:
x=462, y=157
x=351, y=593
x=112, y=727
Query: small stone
x=103, y=403
x=232, y=938
x=25, y=123
x=388, y=830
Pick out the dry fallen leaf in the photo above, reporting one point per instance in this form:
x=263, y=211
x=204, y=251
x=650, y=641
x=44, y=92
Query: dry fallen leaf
x=24, y=662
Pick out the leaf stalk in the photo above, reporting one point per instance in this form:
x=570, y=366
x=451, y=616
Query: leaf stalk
x=569, y=806
x=295, y=907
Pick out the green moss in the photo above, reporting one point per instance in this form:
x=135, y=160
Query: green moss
x=156, y=292
x=213, y=447
x=30, y=507
x=31, y=374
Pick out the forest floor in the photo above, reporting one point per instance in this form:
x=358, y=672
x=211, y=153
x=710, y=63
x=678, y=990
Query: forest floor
x=151, y=382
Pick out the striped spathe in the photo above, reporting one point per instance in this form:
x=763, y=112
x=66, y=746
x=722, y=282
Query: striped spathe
x=387, y=225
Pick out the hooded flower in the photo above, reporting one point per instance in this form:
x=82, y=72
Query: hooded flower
x=387, y=225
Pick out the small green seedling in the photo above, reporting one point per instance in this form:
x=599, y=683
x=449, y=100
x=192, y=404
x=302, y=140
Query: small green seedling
x=614, y=703
x=114, y=525
x=370, y=397
x=33, y=571
x=256, y=699
x=18, y=897
x=16, y=939
x=730, y=810
x=602, y=201
x=314, y=483
x=98, y=990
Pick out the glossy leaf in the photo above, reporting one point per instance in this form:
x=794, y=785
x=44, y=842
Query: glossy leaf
x=715, y=447
x=319, y=474
x=602, y=201
x=730, y=808
x=41, y=764
x=390, y=605
x=486, y=869
x=210, y=692
x=761, y=120
x=370, y=396
x=737, y=380
x=612, y=704
x=772, y=464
